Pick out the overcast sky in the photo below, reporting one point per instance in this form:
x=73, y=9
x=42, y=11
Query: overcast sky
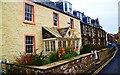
x=105, y=10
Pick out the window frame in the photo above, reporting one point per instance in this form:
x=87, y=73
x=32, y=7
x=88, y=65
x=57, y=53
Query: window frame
x=71, y=25
x=57, y=19
x=33, y=13
x=34, y=40
x=49, y=45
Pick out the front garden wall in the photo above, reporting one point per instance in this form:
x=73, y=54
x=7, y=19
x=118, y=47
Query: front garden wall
x=79, y=64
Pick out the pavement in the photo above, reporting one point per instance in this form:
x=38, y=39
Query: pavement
x=113, y=67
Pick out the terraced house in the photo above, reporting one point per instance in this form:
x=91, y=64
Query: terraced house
x=34, y=25
x=91, y=30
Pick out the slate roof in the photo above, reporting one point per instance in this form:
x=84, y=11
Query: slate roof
x=51, y=5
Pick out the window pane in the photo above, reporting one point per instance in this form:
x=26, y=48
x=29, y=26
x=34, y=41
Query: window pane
x=46, y=45
x=27, y=38
x=30, y=15
x=30, y=9
x=31, y=42
x=26, y=8
x=28, y=42
x=53, y=45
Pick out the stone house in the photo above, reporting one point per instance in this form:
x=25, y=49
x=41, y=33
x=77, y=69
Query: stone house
x=91, y=31
x=29, y=27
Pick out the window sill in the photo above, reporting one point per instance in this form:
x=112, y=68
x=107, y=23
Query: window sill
x=27, y=22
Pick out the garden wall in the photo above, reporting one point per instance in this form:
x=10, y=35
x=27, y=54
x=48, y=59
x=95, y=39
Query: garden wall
x=80, y=64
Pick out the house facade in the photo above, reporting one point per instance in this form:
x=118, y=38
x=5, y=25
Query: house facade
x=91, y=31
x=29, y=27
x=34, y=25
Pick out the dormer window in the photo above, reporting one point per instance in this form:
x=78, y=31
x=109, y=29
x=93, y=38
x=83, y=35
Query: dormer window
x=81, y=17
x=70, y=7
x=67, y=7
x=78, y=14
x=88, y=20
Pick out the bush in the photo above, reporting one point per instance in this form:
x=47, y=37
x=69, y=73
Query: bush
x=53, y=58
x=31, y=59
x=67, y=56
x=26, y=59
x=40, y=59
x=86, y=49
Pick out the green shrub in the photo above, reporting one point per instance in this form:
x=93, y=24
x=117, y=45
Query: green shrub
x=86, y=49
x=40, y=59
x=70, y=55
x=53, y=57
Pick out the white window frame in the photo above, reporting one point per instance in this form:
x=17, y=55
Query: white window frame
x=31, y=19
x=29, y=40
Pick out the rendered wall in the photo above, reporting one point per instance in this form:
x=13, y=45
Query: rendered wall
x=0, y=30
x=14, y=30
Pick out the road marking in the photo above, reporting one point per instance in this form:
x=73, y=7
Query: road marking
x=99, y=69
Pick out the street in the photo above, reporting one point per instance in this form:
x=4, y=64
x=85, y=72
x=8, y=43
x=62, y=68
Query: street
x=114, y=65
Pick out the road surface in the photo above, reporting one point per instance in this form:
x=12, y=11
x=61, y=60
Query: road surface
x=114, y=65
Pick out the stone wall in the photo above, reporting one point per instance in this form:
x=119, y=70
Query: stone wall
x=103, y=54
x=80, y=64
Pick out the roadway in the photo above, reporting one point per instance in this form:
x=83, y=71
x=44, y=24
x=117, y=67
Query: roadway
x=113, y=67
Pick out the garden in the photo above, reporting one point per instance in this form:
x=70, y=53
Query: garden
x=41, y=59
x=61, y=54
